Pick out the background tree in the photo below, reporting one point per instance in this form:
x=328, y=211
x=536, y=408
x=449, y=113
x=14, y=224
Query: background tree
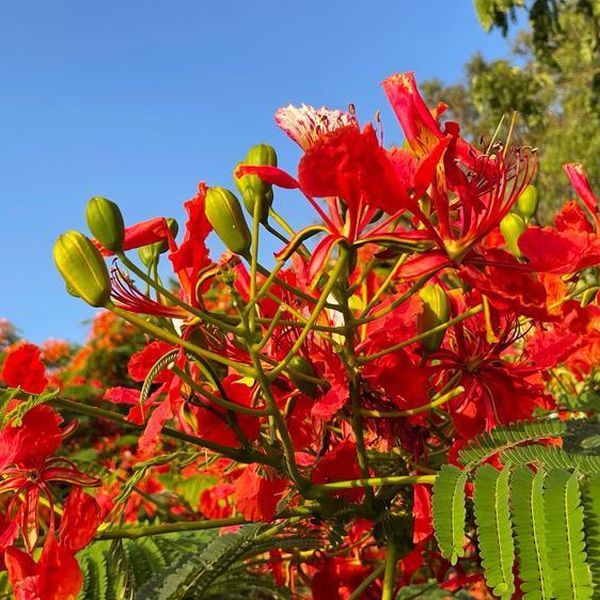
x=551, y=79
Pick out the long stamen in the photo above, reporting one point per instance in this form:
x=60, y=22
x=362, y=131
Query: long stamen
x=126, y=295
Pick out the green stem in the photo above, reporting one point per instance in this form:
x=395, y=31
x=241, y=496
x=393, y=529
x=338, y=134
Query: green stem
x=389, y=576
x=278, y=420
x=417, y=338
x=374, y=481
x=352, y=370
x=384, y=286
x=311, y=320
x=133, y=533
x=397, y=302
x=246, y=410
x=175, y=299
x=171, y=338
x=95, y=411
x=414, y=411
x=294, y=290
x=365, y=583
x=254, y=262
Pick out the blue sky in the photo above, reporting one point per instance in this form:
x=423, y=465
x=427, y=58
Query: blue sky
x=139, y=100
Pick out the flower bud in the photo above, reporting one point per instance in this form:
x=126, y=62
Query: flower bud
x=252, y=188
x=512, y=226
x=528, y=202
x=436, y=311
x=83, y=268
x=224, y=213
x=302, y=365
x=105, y=221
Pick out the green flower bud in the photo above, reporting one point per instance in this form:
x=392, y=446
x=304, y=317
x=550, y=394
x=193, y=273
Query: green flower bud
x=436, y=311
x=251, y=187
x=224, y=213
x=512, y=226
x=302, y=365
x=105, y=221
x=83, y=268
x=528, y=202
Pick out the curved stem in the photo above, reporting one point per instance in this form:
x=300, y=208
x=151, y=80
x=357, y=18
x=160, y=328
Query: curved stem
x=246, y=410
x=414, y=411
x=175, y=299
x=311, y=320
x=95, y=411
x=417, y=338
x=133, y=533
x=357, y=594
x=171, y=338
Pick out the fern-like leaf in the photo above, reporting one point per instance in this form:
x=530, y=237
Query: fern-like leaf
x=198, y=571
x=551, y=457
x=528, y=519
x=449, y=511
x=591, y=501
x=491, y=442
x=571, y=577
x=494, y=533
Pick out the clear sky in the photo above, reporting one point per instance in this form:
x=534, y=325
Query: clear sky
x=139, y=100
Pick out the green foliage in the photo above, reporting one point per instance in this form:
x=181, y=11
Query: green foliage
x=528, y=518
x=198, y=571
x=15, y=416
x=571, y=576
x=449, y=511
x=502, y=438
x=493, y=529
x=591, y=500
x=546, y=518
x=188, y=566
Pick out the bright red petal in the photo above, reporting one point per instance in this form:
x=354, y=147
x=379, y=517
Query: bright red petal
x=24, y=368
x=80, y=520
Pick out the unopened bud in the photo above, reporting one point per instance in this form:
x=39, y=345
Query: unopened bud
x=512, y=226
x=302, y=365
x=436, y=311
x=224, y=213
x=105, y=221
x=252, y=188
x=527, y=202
x=83, y=268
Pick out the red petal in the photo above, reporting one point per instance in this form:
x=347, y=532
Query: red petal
x=256, y=497
x=142, y=362
x=143, y=234
x=122, y=395
x=581, y=185
x=420, y=127
x=351, y=164
x=36, y=438
x=23, y=367
x=80, y=520
x=268, y=174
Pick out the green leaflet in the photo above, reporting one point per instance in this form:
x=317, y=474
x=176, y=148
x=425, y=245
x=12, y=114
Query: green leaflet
x=591, y=503
x=198, y=571
x=571, y=577
x=491, y=442
x=449, y=511
x=551, y=457
x=494, y=533
x=528, y=517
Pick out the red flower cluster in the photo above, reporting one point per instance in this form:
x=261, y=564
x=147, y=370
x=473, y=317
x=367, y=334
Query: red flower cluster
x=411, y=318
